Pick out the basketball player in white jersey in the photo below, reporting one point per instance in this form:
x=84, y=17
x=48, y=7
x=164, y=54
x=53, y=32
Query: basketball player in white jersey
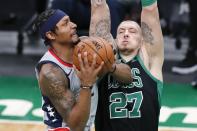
x=69, y=97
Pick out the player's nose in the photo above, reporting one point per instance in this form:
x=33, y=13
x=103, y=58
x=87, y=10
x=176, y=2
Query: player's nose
x=126, y=34
x=73, y=25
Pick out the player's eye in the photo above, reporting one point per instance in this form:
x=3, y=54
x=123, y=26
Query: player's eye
x=132, y=31
x=120, y=32
x=65, y=22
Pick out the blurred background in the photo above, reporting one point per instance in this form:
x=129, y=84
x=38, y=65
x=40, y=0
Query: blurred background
x=21, y=48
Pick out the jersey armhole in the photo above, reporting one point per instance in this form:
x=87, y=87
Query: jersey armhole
x=40, y=64
x=159, y=83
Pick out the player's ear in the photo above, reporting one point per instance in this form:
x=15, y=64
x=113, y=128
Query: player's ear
x=50, y=35
x=142, y=41
x=115, y=42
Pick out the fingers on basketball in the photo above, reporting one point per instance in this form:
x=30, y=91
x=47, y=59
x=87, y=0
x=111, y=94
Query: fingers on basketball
x=98, y=46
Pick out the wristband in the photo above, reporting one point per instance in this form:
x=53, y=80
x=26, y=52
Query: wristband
x=86, y=87
x=147, y=2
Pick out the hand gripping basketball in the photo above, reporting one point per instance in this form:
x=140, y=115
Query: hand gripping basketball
x=98, y=46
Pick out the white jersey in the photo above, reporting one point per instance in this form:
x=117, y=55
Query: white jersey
x=51, y=117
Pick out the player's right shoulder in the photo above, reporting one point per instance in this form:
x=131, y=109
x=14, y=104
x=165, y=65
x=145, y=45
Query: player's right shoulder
x=46, y=70
x=51, y=69
x=51, y=75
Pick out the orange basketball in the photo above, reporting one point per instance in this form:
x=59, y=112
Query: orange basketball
x=96, y=45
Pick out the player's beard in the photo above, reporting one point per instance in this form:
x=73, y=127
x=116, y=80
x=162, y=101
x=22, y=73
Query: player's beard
x=126, y=51
x=76, y=42
x=71, y=43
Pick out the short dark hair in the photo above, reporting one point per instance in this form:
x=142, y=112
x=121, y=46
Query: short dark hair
x=41, y=19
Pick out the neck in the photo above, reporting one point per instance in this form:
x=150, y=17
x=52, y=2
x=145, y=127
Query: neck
x=63, y=52
x=127, y=56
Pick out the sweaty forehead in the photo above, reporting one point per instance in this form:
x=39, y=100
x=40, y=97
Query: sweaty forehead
x=129, y=24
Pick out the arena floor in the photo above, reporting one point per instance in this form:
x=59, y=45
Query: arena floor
x=20, y=98
x=10, y=126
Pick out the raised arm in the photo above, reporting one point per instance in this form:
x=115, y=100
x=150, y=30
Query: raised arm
x=152, y=35
x=100, y=24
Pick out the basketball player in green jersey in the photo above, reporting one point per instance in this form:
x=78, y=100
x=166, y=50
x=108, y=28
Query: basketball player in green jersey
x=135, y=106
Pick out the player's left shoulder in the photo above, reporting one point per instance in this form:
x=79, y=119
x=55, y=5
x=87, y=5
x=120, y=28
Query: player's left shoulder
x=157, y=73
x=153, y=65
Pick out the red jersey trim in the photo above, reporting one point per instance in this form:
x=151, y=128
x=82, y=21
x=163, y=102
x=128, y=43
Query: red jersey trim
x=60, y=60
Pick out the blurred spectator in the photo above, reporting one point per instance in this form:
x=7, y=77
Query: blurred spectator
x=189, y=63
x=41, y=5
x=79, y=12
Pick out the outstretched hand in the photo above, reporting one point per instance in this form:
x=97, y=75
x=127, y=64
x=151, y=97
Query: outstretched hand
x=88, y=72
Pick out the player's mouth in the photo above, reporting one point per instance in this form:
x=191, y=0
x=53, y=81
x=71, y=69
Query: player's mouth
x=74, y=33
x=125, y=42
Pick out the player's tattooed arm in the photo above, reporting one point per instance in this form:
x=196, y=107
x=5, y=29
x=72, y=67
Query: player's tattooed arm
x=100, y=24
x=101, y=29
x=54, y=85
x=152, y=33
x=153, y=39
x=147, y=33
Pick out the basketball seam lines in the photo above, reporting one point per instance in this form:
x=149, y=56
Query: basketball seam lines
x=94, y=51
x=106, y=52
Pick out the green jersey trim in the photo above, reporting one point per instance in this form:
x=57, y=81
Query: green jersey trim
x=159, y=83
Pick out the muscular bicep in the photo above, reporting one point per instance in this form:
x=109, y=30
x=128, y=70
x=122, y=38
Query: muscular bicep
x=152, y=34
x=100, y=24
x=54, y=85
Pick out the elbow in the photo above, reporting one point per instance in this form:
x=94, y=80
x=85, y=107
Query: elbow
x=77, y=126
x=128, y=78
x=123, y=74
x=78, y=123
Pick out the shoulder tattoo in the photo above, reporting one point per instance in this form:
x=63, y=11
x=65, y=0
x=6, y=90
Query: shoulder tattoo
x=55, y=85
x=54, y=81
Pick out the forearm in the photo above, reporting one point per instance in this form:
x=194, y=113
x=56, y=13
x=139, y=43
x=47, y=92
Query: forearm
x=100, y=24
x=98, y=8
x=122, y=73
x=151, y=31
x=87, y=74
x=80, y=112
x=150, y=11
